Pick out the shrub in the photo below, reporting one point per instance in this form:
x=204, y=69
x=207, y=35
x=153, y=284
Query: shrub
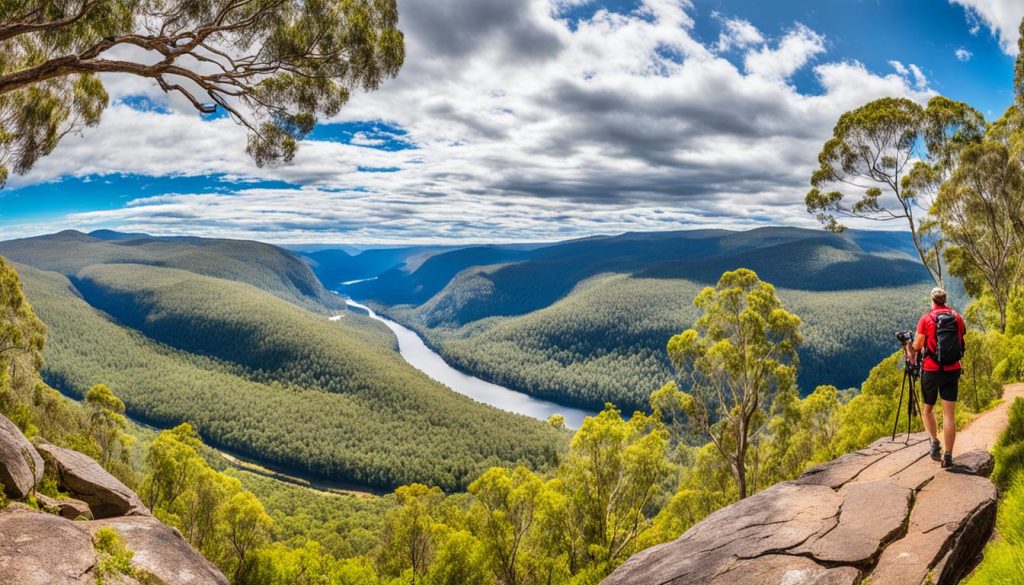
x=113, y=557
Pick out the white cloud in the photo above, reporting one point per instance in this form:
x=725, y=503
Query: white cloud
x=793, y=52
x=738, y=33
x=963, y=54
x=1001, y=17
x=525, y=125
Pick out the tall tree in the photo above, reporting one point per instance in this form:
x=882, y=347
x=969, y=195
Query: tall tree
x=503, y=512
x=410, y=532
x=979, y=209
x=22, y=334
x=611, y=475
x=106, y=421
x=248, y=528
x=274, y=66
x=739, y=355
x=890, y=156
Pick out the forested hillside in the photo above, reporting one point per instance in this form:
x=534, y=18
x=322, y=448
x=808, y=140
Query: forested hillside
x=586, y=321
x=268, y=379
x=270, y=268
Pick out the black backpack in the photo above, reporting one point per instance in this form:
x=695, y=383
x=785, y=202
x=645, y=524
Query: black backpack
x=948, y=344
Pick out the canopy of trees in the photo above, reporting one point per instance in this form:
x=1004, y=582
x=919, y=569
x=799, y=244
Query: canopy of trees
x=266, y=379
x=274, y=66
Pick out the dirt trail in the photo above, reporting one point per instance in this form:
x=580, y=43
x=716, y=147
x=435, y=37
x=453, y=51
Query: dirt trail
x=983, y=432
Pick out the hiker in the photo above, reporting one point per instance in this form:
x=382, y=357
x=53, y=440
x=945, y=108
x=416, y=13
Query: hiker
x=940, y=334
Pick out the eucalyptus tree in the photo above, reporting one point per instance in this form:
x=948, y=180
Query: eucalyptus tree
x=107, y=421
x=980, y=210
x=274, y=66
x=22, y=334
x=740, y=354
x=889, y=157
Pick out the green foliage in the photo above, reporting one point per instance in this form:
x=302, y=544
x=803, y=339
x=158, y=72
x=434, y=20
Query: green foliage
x=113, y=558
x=803, y=433
x=107, y=422
x=344, y=525
x=979, y=385
x=877, y=148
x=1009, y=450
x=609, y=480
x=275, y=67
x=980, y=209
x=729, y=368
x=1011, y=368
x=1003, y=558
x=22, y=335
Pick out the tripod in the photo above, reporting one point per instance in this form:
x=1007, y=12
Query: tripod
x=911, y=372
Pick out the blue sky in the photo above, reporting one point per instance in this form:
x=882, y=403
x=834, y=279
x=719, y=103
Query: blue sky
x=537, y=119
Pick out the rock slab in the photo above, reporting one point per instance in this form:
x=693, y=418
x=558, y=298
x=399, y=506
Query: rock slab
x=43, y=549
x=161, y=551
x=37, y=548
x=84, y=478
x=71, y=509
x=21, y=468
x=887, y=514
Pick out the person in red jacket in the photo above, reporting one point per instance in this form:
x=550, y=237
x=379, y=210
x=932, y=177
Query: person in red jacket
x=939, y=380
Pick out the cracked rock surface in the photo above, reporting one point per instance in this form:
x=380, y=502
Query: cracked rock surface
x=887, y=513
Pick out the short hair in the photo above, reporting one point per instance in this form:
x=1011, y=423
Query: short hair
x=938, y=296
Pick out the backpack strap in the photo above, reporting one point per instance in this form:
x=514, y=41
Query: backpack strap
x=927, y=350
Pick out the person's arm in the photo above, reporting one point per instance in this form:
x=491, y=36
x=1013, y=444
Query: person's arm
x=918, y=342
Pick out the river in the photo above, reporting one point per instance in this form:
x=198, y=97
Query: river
x=426, y=360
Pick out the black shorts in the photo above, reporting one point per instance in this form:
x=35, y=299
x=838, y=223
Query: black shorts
x=939, y=384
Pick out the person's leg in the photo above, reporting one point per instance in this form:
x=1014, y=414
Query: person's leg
x=948, y=425
x=928, y=417
x=929, y=396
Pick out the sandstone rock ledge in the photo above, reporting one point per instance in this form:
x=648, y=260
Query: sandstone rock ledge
x=887, y=513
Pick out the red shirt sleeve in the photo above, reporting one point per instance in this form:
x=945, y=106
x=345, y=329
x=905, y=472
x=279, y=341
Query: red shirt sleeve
x=922, y=324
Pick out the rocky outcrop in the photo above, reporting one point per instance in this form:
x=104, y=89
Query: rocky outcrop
x=70, y=508
x=81, y=476
x=887, y=514
x=50, y=547
x=161, y=551
x=37, y=548
x=21, y=469
x=43, y=549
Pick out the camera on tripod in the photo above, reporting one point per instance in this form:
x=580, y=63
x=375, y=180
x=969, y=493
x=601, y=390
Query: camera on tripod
x=911, y=364
x=911, y=373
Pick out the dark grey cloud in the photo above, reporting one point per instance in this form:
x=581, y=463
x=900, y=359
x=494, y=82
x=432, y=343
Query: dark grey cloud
x=460, y=28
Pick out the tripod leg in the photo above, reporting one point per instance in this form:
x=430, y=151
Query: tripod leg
x=913, y=406
x=899, y=406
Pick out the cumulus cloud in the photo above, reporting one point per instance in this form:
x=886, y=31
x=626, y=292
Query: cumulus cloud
x=1001, y=17
x=793, y=52
x=524, y=124
x=963, y=54
x=738, y=33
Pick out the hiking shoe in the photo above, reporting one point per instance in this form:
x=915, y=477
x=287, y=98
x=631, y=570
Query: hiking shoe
x=947, y=460
x=936, y=451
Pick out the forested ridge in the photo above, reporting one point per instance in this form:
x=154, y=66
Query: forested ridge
x=605, y=341
x=270, y=380
x=267, y=267
x=585, y=322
